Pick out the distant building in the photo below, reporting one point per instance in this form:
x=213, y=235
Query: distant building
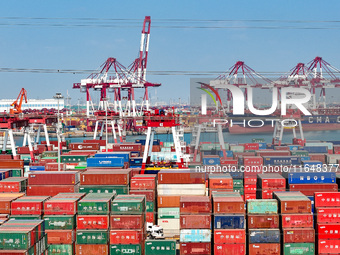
x=38, y=104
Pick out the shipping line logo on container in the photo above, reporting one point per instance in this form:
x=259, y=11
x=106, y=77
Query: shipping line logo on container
x=295, y=98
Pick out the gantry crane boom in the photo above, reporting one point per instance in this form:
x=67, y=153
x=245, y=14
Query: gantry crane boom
x=18, y=103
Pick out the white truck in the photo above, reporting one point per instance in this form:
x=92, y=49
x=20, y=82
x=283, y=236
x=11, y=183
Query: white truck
x=154, y=231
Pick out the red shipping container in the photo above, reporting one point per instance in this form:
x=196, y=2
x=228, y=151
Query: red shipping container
x=328, y=215
x=190, y=221
x=230, y=249
x=195, y=248
x=229, y=162
x=195, y=204
x=212, y=191
x=263, y=221
x=60, y=236
x=250, y=180
x=336, y=149
x=54, y=166
x=328, y=231
x=318, y=157
x=297, y=220
x=271, y=181
x=92, y=222
x=86, y=249
x=23, y=150
x=310, y=189
x=251, y=146
x=150, y=217
x=127, y=221
x=48, y=160
x=168, y=201
x=50, y=190
x=126, y=236
x=13, y=186
x=281, y=148
x=53, y=178
x=150, y=195
x=250, y=189
x=5, y=205
x=186, y=176
x=23, y=206
x=228, y=205
x=221, y=183
x=105, y=177
x=100, y=142
x=138, y=183
x=128, y=147
x=11, y=164
x=298, y=235
x=61, y=207
x=327, y=199
x=329, y=247
x=249, y=196
x=84, y=146
x=264, y=249
x=81, y=153
x=272, y=153
x=6, y=156
x=252, y=161
x=229, y=236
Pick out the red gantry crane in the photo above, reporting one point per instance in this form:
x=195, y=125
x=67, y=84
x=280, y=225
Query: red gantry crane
x=18, y=103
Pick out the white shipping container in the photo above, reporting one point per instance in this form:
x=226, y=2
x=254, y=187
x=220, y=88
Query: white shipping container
x=169, y=224
x=333, y=158
x=195, y=235
x=329, y=145
x=237, y=148
x=181, y=189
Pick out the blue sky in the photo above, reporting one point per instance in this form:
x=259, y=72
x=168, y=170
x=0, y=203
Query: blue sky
x=171, y=49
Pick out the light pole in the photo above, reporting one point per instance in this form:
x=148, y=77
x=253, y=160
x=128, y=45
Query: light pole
x=106, y=104
x=58, y=96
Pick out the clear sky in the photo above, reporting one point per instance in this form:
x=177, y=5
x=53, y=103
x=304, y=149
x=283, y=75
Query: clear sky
x=79, y=35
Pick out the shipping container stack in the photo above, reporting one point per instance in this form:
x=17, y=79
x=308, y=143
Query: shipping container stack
x=105, y=181
x=252, y=167
x=327, y=205
x=220, y=183
x=172, y=184
x=128, y=225
x=93, y=219
x=229, y=224
x=6, y=200
x=296, y=222
x=263, y=227
x=145, y=184
x=13, y=184
x=42, y=183
x=195, y=225
x=23, y=237
x=61, y=208
x=268, y=183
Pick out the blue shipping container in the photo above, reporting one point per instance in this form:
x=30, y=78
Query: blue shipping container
x=264, y=235
x=311, y=198
x=229, y=221
x=136, y=161
x=262, y=146
x=236, y=175
x=311, y=177
x=2, y=175
x=282, y=160
x=105, y=162
x=311, y=164
x=304, y=158
x=142, y=141
x=124, y=155
x=293, y=147
x=211, y=161
x=230, y=154
x=316, y=149
x=37, y=168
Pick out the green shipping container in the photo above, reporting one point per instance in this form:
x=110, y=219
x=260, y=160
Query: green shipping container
x=237, y=183
x=60, y=249
x=92, y=237
x=49, y=154
x=239, y=190
x=168, y=213
x=160, y=247
x=15, y=239
x=257, y=140
x=95, y=204
x=122, y=249
x=119, y=189
x=150, y=206
x=16, y=172
x=60, y=222
x=262, y=206
x=300, y=153
x=126, y=204
x=299, y=248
